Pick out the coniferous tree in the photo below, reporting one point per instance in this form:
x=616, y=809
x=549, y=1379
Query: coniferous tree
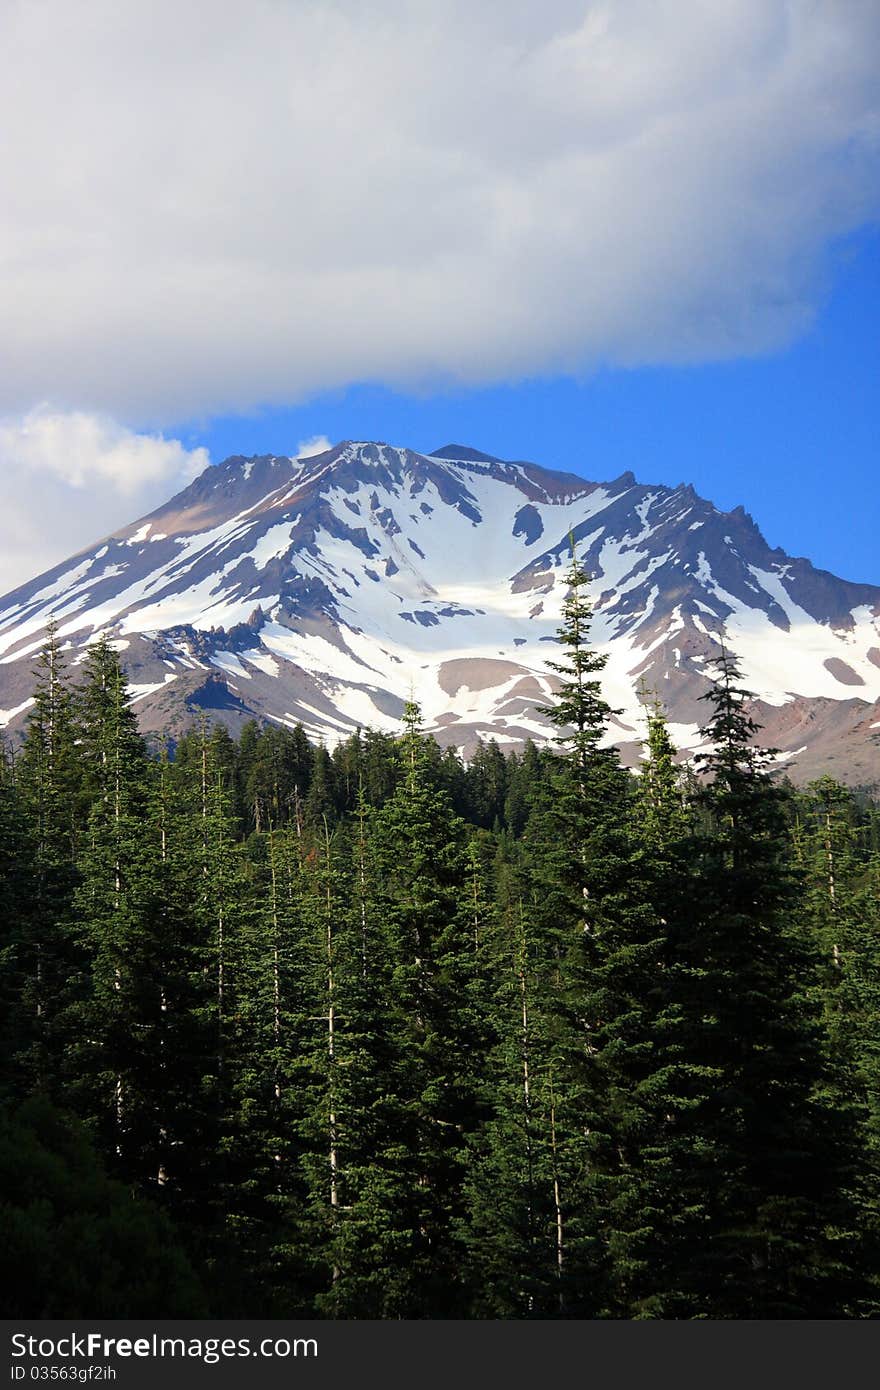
x=18, y=1025
x=220, y=917
x=596, y=925
x=391, y=1035
x=641, y=1074
x=265, y=1078
x=518, y=1168
x=379, y=767
x=51, y=782
x=842, y=912
x=434, y=1104
x=179, y=960
x=486, y=781
x=320, y=803
x=74, y=1243
x=777, y=1239
x=354, y=1179
x=117, y=1014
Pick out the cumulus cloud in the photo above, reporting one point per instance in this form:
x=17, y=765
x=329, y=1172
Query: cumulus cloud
x=307, y=448
x=233, y=202
x=70, y=478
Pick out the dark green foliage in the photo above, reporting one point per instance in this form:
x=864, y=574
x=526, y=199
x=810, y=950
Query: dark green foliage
x=18, y=956
x=486, y=782
x=73, y=1243
x=432, y=1105
x=50, y=779
x=320, y=804
x=778, y=1230
x=608, y=1018
x=384, y=1033
x=524, y=1161
x=273, y=775
x=841, y=873
x=115, y=900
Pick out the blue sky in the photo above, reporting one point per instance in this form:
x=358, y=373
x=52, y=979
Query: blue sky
x=792, y=435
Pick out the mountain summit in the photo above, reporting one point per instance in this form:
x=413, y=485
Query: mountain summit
x=329, y=590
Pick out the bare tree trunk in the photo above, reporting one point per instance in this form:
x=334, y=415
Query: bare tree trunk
x=276, y=984
x=162, y=1173
x=206, y=880
x=276, y=972
x=362, y=883
x=331, y=1039
x=525, y=1042
x=117, y=895
x=557, y=1204
x=475, y=896
x=832, y=887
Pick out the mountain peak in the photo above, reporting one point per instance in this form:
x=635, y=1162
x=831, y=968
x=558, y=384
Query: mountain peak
x=464, y=453
x=326, y=590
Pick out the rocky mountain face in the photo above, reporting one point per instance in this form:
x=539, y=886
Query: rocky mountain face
x=328, y=591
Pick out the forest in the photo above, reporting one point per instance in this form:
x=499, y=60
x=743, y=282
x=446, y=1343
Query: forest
x=377, y=1033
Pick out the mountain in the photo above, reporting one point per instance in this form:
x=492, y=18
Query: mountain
x=330, y=590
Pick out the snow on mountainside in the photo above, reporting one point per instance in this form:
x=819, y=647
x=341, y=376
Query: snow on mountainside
x=329, y=590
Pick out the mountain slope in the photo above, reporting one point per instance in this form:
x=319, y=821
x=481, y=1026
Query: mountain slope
x=329, y=590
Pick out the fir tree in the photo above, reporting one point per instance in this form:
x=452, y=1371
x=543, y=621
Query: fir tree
x=115, y=904
x=640, y=1074
x=320, y=804
x=18, y=1029
x=73, y=1243
x=433, y=1103
x=388, y=1036
x=842, y=912
x=520, y=1165
x=600, y=937
x=51, y=782
x=353, y=1192
x=180, y=1065
x=486, y=786
x=777, y=1238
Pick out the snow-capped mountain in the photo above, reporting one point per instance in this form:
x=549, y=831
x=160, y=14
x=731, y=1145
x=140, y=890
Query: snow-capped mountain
x=328, y=591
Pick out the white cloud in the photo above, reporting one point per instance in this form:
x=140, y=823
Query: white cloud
x=70, y=478
x=214, y=205
x=317, y=444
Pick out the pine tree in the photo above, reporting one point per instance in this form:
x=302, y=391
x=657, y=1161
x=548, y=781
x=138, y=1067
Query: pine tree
x=178, y=960
x=227, y=1219
x=115, y=903
x=345, y=1071
x=75, y=1244
x=606, y=1047
x=591, y=919
x=379, y=767
x=842, y=913
x=661, y=802
x=486, y=786
x=641, y=1075
x=520, y=1169
x=274, y=775
x=17, y=1020
x=415, y=1191
x=777, y=1239
x=320, y=803
x=51, y=782
x=265, y=1080
x=524, y=777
